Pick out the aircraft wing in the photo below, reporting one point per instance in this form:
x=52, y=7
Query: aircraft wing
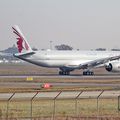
x=97, y=62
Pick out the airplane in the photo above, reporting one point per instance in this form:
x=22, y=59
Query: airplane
x=66, y=61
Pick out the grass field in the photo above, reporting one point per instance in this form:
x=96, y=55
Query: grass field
x=58, y=88
x=63, y=108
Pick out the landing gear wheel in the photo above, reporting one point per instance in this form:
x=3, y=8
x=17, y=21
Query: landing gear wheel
x=67, y=73
x=60, y=73
x=88, y=73
x=64, y=72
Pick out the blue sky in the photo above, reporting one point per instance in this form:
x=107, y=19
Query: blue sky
x=83, y=24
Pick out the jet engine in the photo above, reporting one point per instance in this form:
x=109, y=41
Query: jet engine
x=113, y=67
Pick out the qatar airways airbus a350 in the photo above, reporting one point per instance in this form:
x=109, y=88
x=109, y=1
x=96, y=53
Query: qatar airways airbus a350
x=67, y=61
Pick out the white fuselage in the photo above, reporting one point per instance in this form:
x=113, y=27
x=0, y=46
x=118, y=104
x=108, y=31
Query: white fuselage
x=66, y=58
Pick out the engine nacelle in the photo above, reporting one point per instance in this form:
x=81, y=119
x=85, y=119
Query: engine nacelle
x=113, y=67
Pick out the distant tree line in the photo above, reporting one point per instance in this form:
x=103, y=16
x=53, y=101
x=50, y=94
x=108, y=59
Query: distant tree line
x=104, y=49
x=101, y=49
x=63, y=47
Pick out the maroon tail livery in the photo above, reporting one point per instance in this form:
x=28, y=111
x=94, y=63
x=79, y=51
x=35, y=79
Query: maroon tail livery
x=22, y=43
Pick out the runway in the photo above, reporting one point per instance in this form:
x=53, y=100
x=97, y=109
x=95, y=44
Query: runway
x=97, y=77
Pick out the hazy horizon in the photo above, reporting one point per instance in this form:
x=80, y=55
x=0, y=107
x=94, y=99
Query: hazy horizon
x=82, y=24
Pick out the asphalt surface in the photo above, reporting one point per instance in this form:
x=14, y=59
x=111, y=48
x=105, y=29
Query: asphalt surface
x=65, y=76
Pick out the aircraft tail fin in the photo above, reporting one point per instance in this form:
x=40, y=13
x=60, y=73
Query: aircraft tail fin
x=22, y=44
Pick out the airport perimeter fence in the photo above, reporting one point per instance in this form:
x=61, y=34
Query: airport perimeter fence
x=63, y=105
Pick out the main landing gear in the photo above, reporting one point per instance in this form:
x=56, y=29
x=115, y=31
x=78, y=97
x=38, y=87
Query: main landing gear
x=88, y=72
x=64, y=73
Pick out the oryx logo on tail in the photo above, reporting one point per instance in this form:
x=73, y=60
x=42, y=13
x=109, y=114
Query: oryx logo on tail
x=22, y=43
x=19, y=44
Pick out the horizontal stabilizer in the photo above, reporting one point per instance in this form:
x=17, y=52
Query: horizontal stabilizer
x=24, y=54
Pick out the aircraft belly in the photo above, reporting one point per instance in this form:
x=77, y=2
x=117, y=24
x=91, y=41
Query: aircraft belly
x=59, y=63
x=48, y=63
x=55, y=63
